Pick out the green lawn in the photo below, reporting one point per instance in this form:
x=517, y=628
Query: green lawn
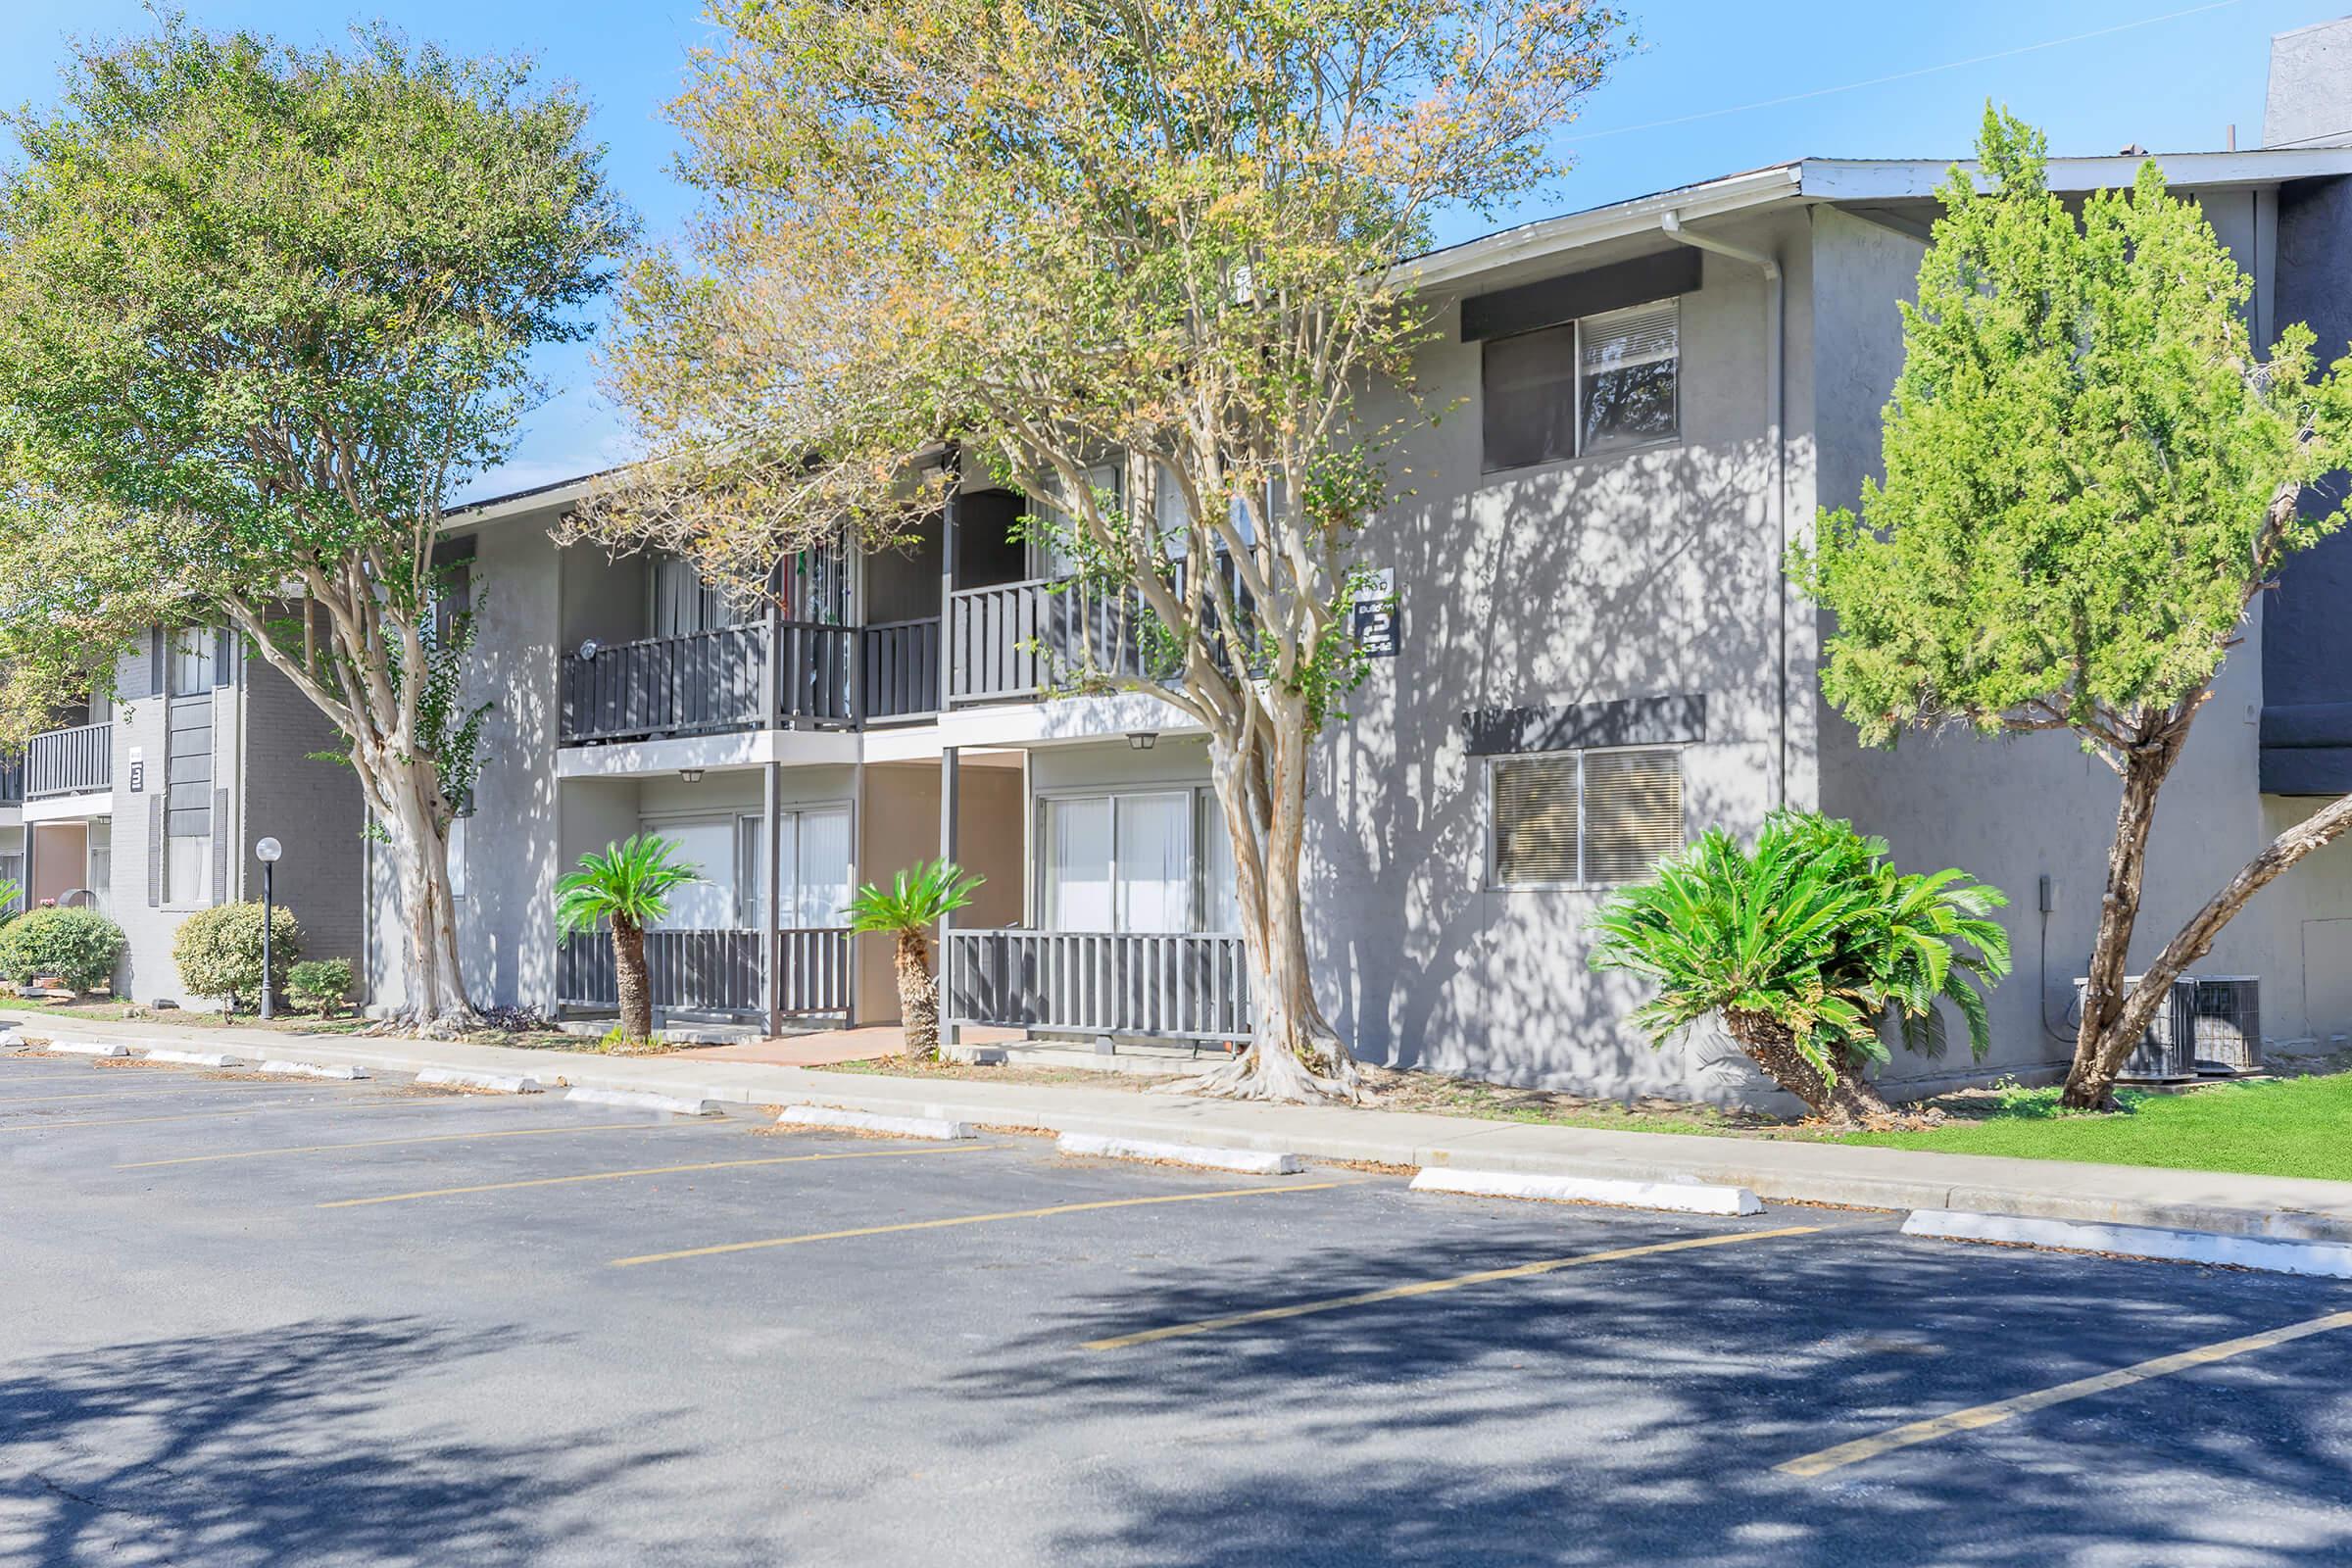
x=2294, y=1127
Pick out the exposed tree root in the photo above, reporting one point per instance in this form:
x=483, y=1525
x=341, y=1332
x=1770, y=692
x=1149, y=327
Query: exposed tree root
x=1277, y=1074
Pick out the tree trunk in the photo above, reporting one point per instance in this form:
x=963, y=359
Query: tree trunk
x=437, y=1005
x=1850, y=1099
x=2090, y=1085
x=918, y=996
x=1295, y=1055
x=629, y=984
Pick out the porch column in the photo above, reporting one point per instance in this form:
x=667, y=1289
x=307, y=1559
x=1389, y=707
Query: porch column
x=950, y=779
x=772, y=894
x=949, y=519
x=772, y=676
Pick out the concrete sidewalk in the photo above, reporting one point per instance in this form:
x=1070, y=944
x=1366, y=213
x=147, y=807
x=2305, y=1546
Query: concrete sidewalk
x=1775, y=1170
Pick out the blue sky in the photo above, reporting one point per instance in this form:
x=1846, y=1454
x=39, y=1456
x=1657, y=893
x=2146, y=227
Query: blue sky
x=2174, y=83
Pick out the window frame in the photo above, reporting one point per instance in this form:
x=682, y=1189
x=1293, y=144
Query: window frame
x=1202, y=799
x=1576, y=394
x=1493, y=882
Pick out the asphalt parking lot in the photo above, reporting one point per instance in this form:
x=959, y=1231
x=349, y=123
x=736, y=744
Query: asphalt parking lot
x=256, y=1321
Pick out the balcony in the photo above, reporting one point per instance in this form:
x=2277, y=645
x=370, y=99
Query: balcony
x=710, y=683
x=1185, y=986
x=70, y=761
x=717, y=973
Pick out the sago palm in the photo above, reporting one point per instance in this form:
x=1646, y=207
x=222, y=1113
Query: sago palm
x=626, y=888
x=1801, y=947
x=921, y=897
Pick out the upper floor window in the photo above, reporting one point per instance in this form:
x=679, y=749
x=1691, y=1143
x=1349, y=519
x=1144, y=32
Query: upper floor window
x=189, y=656
x=1604, y=383
x=1594, y=819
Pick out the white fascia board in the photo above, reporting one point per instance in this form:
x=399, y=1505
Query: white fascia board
x=554, y=498
x=1064, y=719
x=1572, y=231
x=793, y=748
x=86, y=805
x=1837, y=180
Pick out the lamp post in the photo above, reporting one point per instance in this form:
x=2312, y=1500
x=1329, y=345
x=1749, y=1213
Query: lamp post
x=267, y=851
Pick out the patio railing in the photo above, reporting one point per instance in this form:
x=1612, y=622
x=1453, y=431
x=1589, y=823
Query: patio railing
x=712, y=971
x=707, y=682
x=1193, y=985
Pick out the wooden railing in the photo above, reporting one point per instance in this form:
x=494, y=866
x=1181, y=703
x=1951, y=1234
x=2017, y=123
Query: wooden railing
x=1015, y=639
x=707, y=683
x=1193, y=985
x=704, y=683
x=71, y=761
x=712, y=971
x=900, y=678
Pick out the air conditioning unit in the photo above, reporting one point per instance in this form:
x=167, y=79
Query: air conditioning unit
x=2163, y=1055
x=2225, y=1016
x=2210, y=1026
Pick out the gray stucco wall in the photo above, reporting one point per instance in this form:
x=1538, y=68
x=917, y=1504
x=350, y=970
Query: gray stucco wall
x=1617, y=577
x=312, y=808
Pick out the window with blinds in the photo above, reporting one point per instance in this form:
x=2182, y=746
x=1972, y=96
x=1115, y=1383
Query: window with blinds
x=1626, y=364
x=1604, y=383
x=1584, y=818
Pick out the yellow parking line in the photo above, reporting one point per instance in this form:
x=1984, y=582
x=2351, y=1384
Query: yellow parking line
x=390, y=1142
x=980, y=1220
x=403, y=1103
x=656, y=1171
x=1978, y=1416
x=1398, y=1293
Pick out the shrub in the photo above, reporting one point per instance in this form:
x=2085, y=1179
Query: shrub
x=79, y=947
x=219, y=950
x=321, y=985
x=1802, y=948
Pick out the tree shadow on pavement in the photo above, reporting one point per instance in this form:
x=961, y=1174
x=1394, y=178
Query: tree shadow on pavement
x=1633, y=1414
x=302, y=1444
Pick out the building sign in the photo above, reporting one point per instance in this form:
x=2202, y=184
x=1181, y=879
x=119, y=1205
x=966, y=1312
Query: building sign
x=1377, y=623
x=138, y=770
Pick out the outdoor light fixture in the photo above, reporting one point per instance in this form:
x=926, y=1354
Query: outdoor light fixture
x=268, y=851
x=588, y=650
x=692, y=775
x=1142, y=740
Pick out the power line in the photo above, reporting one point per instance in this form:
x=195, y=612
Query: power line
x=1906, y=75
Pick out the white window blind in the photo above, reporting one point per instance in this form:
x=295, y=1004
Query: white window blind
x=1537, y=803
x=1585, y=818
x=1627, y=363
x=1155, y=848
x=1633, y=812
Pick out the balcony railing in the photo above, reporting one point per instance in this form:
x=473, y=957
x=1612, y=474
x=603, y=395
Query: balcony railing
x=713, y=971
x=1015, y=639
x=1193, y=985
x=71, y=761
x=709, y=682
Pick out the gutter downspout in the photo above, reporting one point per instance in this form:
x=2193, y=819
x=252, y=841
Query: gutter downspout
x=1776, y=354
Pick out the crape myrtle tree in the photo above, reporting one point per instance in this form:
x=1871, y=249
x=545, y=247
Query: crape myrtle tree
x=2090, y=476
x=1048, y=238
x=261, y=307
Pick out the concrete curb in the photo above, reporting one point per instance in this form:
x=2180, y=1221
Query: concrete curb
x=1682, y=1197
x=646, y=1100
x=859, y=1121
x=488, y=1082
x=2328, y=1259
x=1248, y=1162
x=311, y=1069
x=194, y=1059
x=85, y=1048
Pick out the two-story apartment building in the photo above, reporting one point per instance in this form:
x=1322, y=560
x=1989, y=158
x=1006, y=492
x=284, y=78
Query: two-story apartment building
x=1597, y=655
x=145, y=805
